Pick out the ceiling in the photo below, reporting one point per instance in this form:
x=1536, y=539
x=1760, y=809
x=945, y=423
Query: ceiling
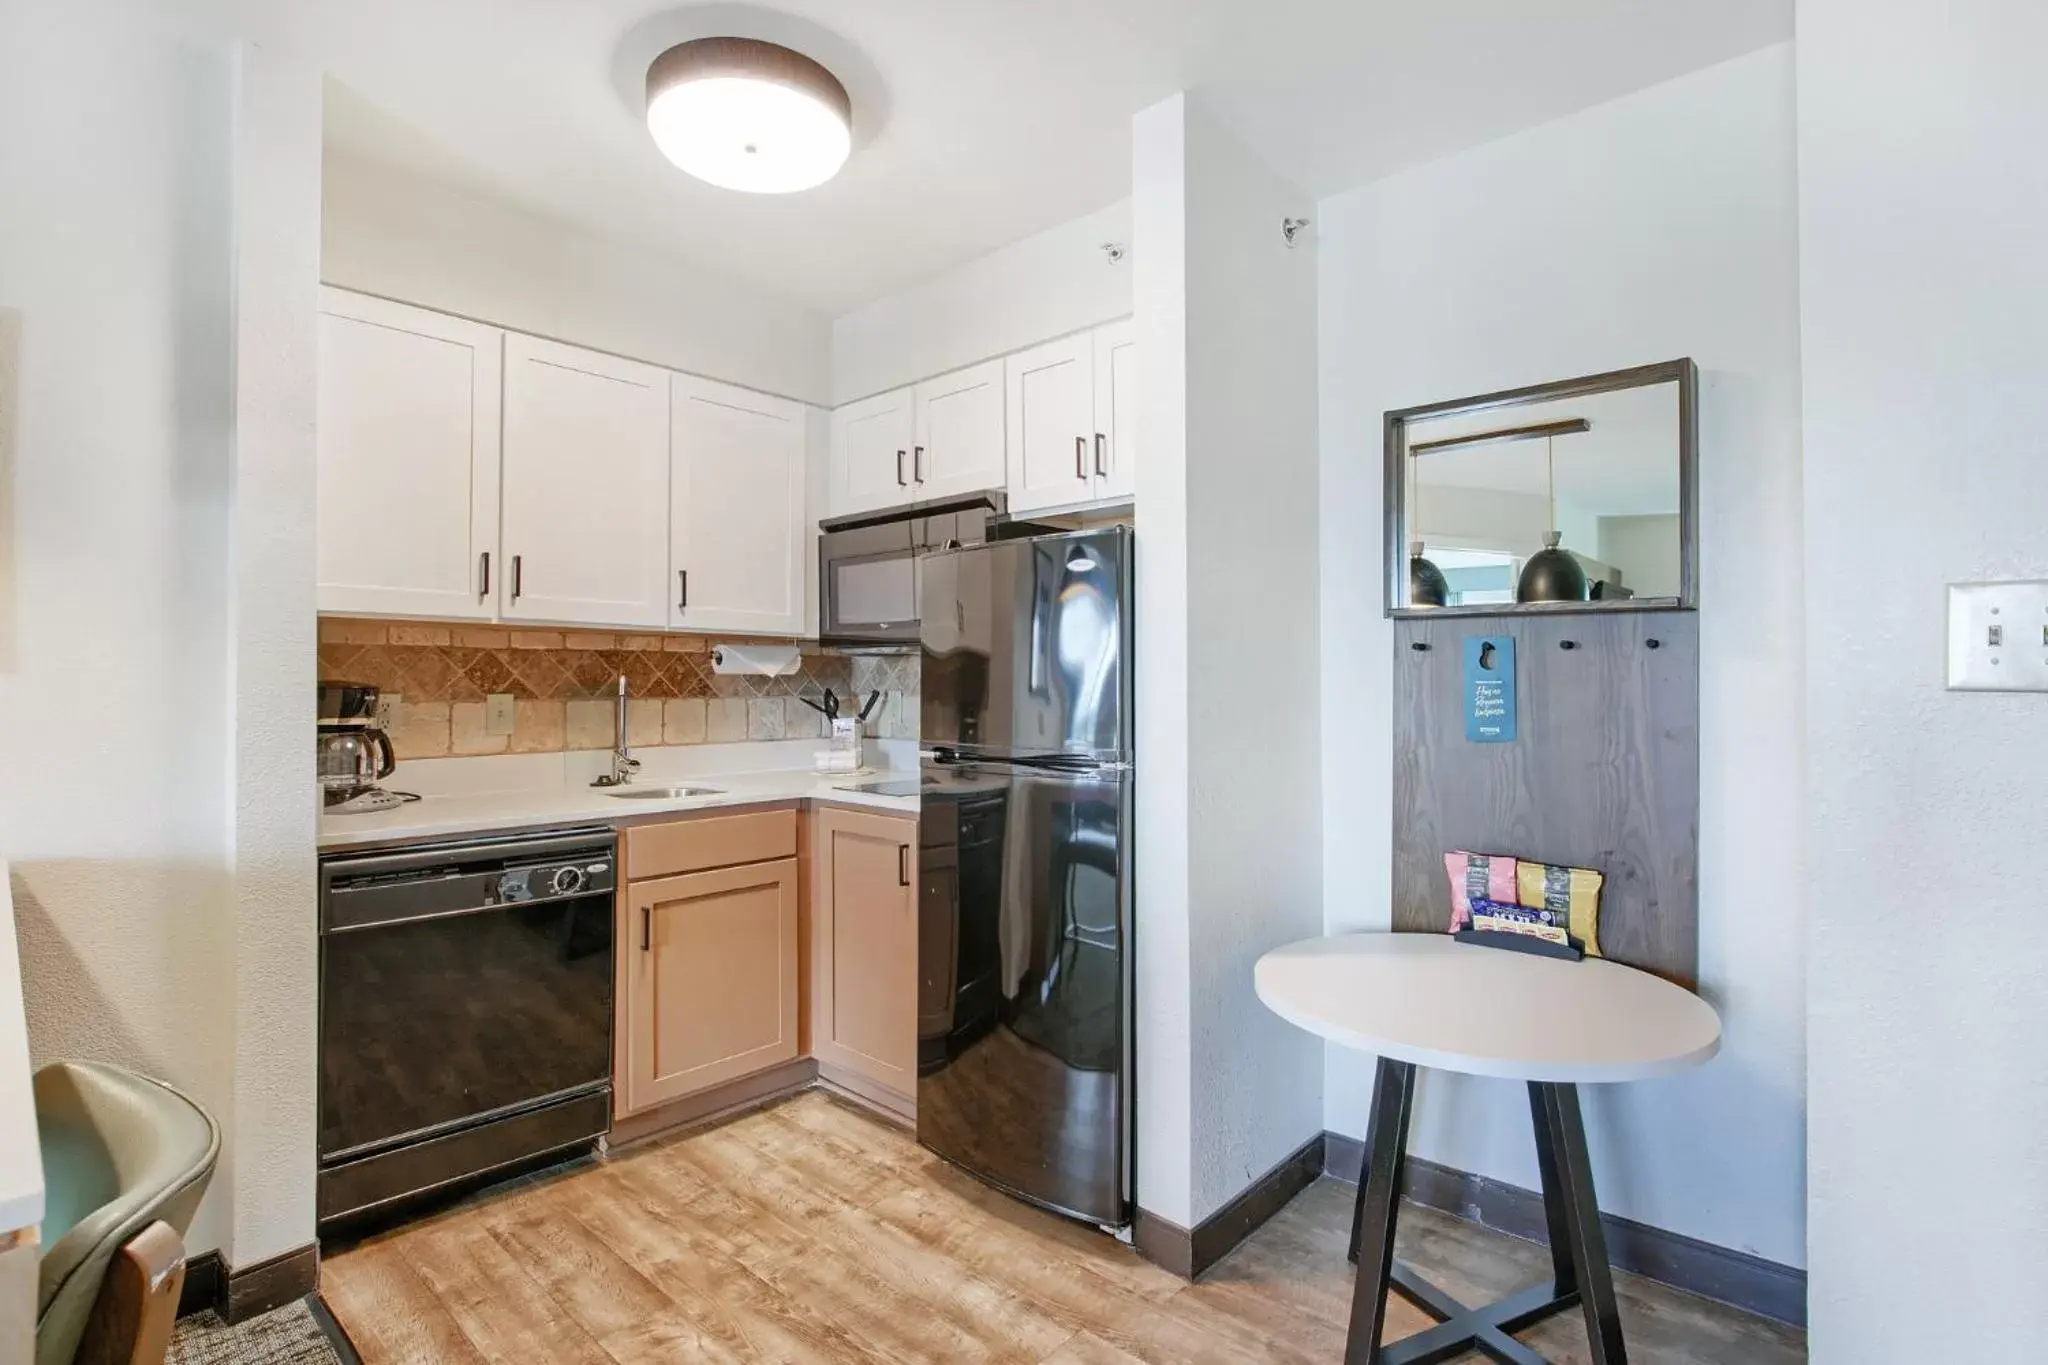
x=977, y=121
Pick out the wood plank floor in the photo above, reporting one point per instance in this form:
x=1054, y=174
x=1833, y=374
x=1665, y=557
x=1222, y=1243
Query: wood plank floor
x=811, y=1233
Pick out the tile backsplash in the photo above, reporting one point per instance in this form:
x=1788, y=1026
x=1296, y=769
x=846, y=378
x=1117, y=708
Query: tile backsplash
x=563, y=682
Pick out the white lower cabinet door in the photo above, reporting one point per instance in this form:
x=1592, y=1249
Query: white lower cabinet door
x=1052, y=425
x=736, y=521
x=1116, y=410
x=586, y=498
x=959, y=445
x=407, y=463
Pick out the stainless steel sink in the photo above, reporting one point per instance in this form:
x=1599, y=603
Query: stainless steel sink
x=661, y=793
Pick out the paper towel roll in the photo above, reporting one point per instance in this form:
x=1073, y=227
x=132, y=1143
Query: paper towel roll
x=768, y=661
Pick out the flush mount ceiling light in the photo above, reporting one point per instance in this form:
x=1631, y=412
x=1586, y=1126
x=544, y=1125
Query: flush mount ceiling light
x=748, y=115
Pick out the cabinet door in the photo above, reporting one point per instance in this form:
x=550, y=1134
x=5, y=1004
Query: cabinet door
x=712, y=990
x=736, y=519
x=586, y=487
x=959, y=446
x=1052, y=424
x=870, y=462
x=408, y=460
x=864, y=989
x=1116, y=402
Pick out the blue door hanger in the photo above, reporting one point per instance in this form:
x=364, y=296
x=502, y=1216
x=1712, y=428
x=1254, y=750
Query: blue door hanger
x=1490, y=689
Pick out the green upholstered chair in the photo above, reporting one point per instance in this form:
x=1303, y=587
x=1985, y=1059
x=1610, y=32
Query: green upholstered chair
x=125, y=1161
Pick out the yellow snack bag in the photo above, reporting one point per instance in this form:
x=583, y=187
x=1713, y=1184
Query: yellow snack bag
x=1571, y=891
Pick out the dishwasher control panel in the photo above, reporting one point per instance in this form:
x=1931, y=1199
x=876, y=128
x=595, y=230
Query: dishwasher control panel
x=549, y=881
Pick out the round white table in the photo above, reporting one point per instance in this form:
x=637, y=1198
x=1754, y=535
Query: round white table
x=1428, y=1000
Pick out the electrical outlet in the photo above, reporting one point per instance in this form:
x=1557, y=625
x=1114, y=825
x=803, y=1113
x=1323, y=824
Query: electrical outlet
x=387, y=711
x=1998, y=637
x=498, y=713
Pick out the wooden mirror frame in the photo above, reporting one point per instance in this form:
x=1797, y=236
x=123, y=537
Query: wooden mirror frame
x=1683, y=372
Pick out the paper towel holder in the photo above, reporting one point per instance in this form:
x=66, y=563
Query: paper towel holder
x=757, y=660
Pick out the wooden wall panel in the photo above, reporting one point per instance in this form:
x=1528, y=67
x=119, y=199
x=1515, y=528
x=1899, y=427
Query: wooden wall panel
x=1604, y=772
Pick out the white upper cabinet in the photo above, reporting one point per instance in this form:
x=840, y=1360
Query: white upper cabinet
x=1052, y=424
x=586, y=498
x=937, y=439
x=1116, y=404
x=959, y=445
x=408, y=460
x=1072, y=420
x=737, y=529
x=870, y=459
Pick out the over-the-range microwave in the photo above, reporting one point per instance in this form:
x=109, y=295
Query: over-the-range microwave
x=867, y=565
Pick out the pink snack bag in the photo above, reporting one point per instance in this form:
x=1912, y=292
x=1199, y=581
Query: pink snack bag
x=1488, y=876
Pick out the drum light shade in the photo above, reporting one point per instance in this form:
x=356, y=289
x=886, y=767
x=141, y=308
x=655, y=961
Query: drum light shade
x=748, y=115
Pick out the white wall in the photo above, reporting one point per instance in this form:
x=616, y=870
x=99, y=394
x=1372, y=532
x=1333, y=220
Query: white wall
x=1164, y=1042
x=158, y=242
x=394, y=233
x=1046, y=285
x=115, y=229
x=272, y=667
x=1925, y=330
x=1229, y=748
x=1656, y=226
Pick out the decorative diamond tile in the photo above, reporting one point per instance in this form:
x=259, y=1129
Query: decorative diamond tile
x=589, y=672
x=488, y=672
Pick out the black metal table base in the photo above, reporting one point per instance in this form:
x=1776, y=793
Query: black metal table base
x=1578, y=1250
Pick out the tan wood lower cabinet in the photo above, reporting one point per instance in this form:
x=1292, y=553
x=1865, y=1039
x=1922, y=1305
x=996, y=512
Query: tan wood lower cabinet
x=864, y=996
x=712, y=987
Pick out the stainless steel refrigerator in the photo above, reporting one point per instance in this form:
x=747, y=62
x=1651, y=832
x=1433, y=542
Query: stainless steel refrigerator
x=1024, y=918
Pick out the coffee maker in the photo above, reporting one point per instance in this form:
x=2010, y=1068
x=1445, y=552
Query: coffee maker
x=353, y=754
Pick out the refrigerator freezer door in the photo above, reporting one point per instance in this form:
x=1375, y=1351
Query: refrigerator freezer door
x=1024, y=982
x=1026, y=646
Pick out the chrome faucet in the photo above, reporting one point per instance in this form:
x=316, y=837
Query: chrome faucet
x=624, y=765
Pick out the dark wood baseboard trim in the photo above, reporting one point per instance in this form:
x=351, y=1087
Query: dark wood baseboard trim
x=238, y=1295
x=204, y=1275
x=1164, y=1243
x=256, y=1289
x=1189, y=1252
x=1714, y=1272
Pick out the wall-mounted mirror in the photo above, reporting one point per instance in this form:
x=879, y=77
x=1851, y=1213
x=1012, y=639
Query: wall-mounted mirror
x=1573, y=496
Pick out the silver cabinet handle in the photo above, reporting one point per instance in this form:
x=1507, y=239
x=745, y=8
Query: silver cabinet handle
x=899, y=471
x=682, y=589
x=917, y=463
x=1100, y=442
x=518, y=577
x=483, y=591
x=1080, y=457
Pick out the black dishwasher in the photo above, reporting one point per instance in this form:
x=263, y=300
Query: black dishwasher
x=465, y=1012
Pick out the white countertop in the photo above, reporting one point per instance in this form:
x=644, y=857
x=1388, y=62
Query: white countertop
x=1436, y=1002
x=472, y=796
x=21, y=1153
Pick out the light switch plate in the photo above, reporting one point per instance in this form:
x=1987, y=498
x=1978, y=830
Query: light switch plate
x=1998, y=637
x=498, y=713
